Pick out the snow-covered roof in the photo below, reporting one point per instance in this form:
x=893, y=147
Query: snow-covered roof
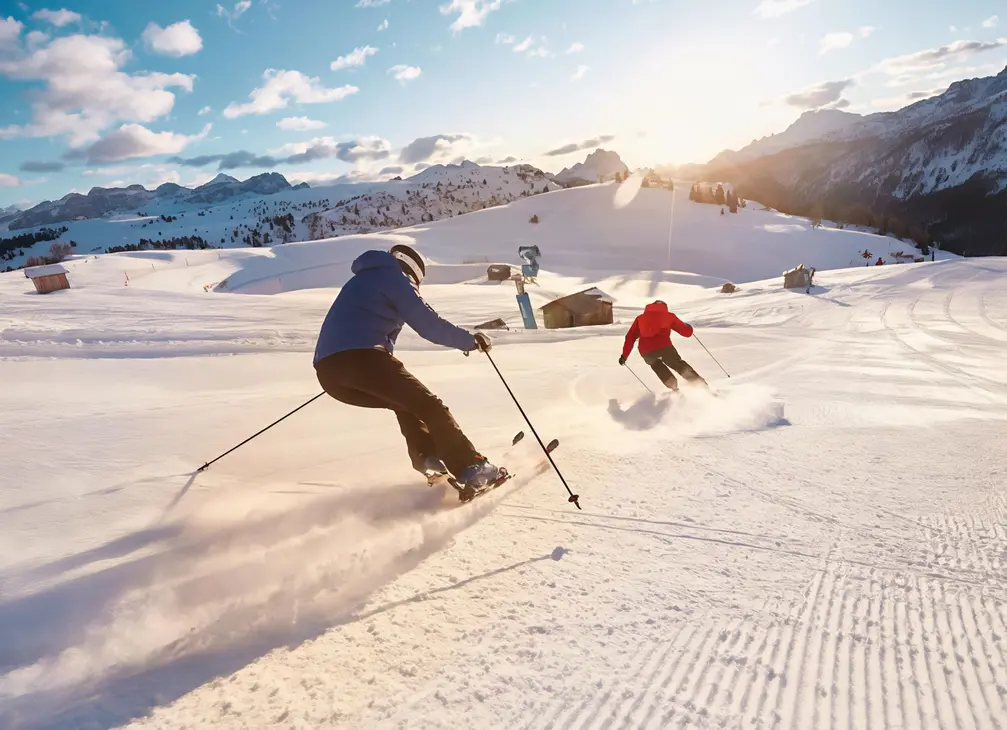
x=596, y=292
x=35, y=272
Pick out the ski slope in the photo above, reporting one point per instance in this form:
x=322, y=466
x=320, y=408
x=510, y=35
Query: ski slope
x=836, y=564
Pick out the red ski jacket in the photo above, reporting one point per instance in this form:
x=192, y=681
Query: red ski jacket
x=653, y=328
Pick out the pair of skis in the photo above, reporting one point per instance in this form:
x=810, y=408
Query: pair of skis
x=468, y=492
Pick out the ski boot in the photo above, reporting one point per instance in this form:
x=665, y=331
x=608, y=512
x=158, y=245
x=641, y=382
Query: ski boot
x=435, y=471
x=478, y=478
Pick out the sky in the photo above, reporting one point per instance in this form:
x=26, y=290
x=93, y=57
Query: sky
x=117, y=92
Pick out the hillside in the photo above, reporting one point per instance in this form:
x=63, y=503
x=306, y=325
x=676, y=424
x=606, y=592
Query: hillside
x=939, y=164
x=818, y=545
x=261, y=211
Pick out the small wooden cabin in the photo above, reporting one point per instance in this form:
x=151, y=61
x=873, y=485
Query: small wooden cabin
x=498, y=272
x=49, y=278
x=583, y=309
x=797, y=278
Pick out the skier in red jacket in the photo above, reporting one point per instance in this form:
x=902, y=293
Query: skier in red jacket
x=653, y=329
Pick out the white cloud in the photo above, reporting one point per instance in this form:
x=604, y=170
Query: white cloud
x=279, y=88
x=352, y=151
x=776, y=8
x=438, y=148
x=991, y=22
x=9, y=181
x=404, y=73
x=383, y=26
x=85, y=92
x=372, y=3
x=356, y=57
x=471, y=13
x=827, y=94
x=299, y=124
x=575, y=48
x=10, y=31
x=178, y=39
x=205, y=110
x=527, y=46
x=835, y=41
x=505, y=39
x=523, y=45
x=865, y=31
x=240, y=8
x=580, y=72
x=34, y=39
x=59, y=18
x=134, y=140
x=935, y=58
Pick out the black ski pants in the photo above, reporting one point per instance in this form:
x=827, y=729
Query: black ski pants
x=373, y=378
x=663, y=361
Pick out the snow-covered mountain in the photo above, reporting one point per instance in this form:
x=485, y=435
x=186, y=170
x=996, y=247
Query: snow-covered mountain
x=106, y=201
x=600, y=166
x=441, y=191
x=261, y=211
x=940, y=163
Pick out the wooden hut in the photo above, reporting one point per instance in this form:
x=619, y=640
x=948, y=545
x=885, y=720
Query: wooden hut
x=498, y=272
x=797, y=278
x=48, y=278
x=583, y=309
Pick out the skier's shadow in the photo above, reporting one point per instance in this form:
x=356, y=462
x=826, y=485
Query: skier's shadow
x=644, y=414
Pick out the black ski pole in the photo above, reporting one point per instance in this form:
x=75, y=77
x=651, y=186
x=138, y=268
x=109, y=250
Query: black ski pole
x=711, y=355
x=575, y=498
x=207, y=464
x=637, y=377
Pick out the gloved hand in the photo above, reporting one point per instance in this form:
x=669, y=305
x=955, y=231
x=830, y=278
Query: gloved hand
x=483, y=342
x=622, y=360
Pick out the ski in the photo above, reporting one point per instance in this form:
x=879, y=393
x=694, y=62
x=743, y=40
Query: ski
x=442, y=475
x=468, y=493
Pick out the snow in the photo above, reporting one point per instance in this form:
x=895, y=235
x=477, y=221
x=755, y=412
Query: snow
x=34, y=272
x=820, y=545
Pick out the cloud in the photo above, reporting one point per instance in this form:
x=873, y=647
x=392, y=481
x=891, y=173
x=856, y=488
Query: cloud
x=527, y=46
x=371, y=3
x=836, y=41
x=297, y=153
x=279, y=88
x=575, y=48
x=935, y=57
x=10, y=31
x=356, y=57
x=240, y=8
x=420, y=166
x=392, y=170
x=587, y=144
x=179, y=39
x=299, y=124
x=134, y=140
x=471, y=13
x=383, y=26
x=438, y=147
x=85, y=91
x=820, y=95
x=9, y=181
x=580, y=72
x=898, y=102
x=59, y=18
x=505, y=39
x=776, y=8
x=205, y=110
x=34, y=166
x=506, y=160
x=404, y=74
x=991, y=22
x=484, y=160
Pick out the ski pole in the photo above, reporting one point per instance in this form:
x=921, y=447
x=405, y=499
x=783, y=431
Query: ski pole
x=207, y=464
x=575, y=498
x=637, y=377
x=710, y=354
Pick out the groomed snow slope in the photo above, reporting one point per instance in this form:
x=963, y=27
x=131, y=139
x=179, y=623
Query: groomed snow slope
x=838, y=567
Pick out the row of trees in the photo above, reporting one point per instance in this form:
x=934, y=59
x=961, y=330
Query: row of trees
x=26, y=240
x=190, y=243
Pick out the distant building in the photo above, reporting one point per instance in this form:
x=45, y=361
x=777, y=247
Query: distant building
x=797, y=278
x=498, y=272
x=49, y=278
x=583, y=309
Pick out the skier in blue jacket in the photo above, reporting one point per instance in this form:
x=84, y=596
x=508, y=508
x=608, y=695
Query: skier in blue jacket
x=355, y=364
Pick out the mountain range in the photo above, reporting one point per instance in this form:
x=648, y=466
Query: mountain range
x=939, y=165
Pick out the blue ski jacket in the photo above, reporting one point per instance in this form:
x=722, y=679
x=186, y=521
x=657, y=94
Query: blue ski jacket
x=374, y=304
